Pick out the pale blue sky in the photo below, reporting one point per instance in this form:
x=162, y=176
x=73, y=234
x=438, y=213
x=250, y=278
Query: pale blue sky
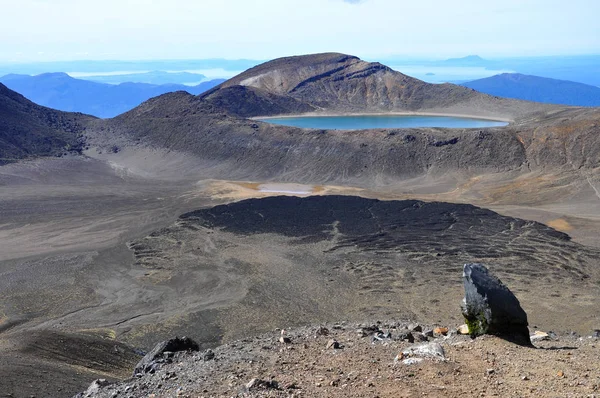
x=48, y=30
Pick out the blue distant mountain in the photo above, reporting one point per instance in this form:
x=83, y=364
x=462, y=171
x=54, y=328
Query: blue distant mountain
x=469, y=60
x=155, y=77
x=538, y=89
x=61, y=91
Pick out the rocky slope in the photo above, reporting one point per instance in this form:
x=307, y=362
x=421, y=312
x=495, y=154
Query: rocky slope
x=213, y=127
x=566, y=140
x=28, y=130
x=378, y=359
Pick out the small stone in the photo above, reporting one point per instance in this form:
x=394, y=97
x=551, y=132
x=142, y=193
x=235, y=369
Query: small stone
x=560, y=374
x=322, y=331
x=95, y=387
x=430, y=350
x=333, y=344
x=596, y=333
x=412, y=361
x=463, y=329
x=399, y=357
x=151, y=361
x=428, y=332
x=420, y=337
x=524, y=378
x=490, y=371
x=369, y=330
x=414, y=327
x=258, y=383
x=406, y=336
x=208, y=355
x=441, y=330
x=539, y=336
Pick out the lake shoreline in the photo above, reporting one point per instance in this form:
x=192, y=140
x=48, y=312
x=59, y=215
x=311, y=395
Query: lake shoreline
x=396, y=120
x=434, y=114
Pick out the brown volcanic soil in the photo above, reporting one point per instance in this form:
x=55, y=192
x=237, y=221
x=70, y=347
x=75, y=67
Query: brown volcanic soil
x=66, y=267
x=360, y=257
x=486, y=367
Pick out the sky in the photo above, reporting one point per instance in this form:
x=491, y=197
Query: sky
x=65, y=30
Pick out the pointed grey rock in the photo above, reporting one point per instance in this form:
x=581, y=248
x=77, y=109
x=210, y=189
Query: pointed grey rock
x=489, y=307
x=152, y=361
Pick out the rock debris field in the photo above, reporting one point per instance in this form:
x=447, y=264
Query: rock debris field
x=382, y=359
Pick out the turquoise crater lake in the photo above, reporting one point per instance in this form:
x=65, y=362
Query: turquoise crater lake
x=358, y=122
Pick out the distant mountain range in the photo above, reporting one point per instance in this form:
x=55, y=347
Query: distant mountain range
x=63, y=92
x=580, y=68
x=92, y=67
x=154, y=77
x=538, y=89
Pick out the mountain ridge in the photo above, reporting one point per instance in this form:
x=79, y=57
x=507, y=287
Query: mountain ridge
x=28, y=130
x=539, y=89
x=215, y=127
x=60, y=91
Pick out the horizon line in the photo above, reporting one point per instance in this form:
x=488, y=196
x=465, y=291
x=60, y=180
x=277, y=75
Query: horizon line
x=383, y=57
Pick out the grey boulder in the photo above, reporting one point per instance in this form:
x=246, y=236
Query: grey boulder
x=489, y=307
x=163, y=351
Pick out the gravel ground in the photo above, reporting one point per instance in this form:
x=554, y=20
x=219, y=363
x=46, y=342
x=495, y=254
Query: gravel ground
x=263, y=366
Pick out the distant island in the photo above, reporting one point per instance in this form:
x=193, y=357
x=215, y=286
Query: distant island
x=469, y=60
